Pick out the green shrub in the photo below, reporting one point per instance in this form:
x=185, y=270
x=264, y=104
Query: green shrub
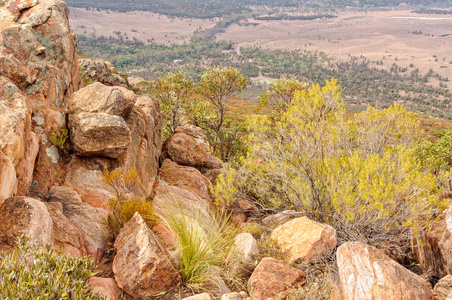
x=358, y=174
x=60, y=141
x=34, y=272
x=85, y=79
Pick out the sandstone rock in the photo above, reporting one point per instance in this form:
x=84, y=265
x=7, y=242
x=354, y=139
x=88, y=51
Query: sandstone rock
x=99, y=134
x=216, y=285
x=8, y=181
x=232, y=296
x=66, y=236
x=14, y=119
x=38, y=55
x=106, y=287
x=137, y=82
x=185, y=177
x=142, y=267
x=443, y=287
x=212, y=175
x=84, y=175
x=367, y=273
x=26, y=166
x=304, y=239
x=213, y=163
x=273, y=278
x=145, y=125
x=245, y=248
x=102, y=71
x=446, y=240
x=187, y=147
x=203, y=296
x=27, y=216
x=90, y=220
x=98, y=98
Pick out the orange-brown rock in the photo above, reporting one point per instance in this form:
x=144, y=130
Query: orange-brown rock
x=274, y=278
x=8, y=181
x=443, y=288
x=185, y=177
x=142, y=266
x=38, y=55
x=365, y=272
x=187, y=146
x=24, y=216
x=106, y=287
x=66, y=236
x=304, y=239
x=98, y=98
x=99, y=134
x=90, y=220
x=101, y=71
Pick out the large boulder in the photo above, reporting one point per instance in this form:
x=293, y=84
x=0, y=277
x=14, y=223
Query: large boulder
x=90, y=220
x=101, y=71
x=274, y=278
x=303, y=239
x=99, y=134
x=38, y=55
x=98, y=98
x=187, y=146
x=24, y=216
x=66, y=236
x=443, y=287
x=105, y=287
x=365, y=272
x=8, y=180
x=187, y=178
x=142, y=266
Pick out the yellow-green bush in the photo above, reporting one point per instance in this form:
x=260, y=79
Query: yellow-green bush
x=123, y=208
x=358, y=174
x=34, y=272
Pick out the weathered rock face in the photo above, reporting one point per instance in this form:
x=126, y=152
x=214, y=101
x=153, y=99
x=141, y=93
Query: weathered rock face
x=38, y=56
x=98, y=98
x=90, y=220
x=8, y=186
x=185, y=177
x=27, y=216
x=304, y=239
x=99, y=134
x=66, y=236
x=187, y=147
x=245, y=248
x=142, y=267
x=273, y=278
x=443, y=287
x=101, y=71
x=106, y=287
x=446, y=240
x=367, y=273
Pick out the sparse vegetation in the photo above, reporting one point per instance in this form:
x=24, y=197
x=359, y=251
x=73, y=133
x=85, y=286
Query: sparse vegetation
x=33, y=271
x=124, y=206
x=61, y=142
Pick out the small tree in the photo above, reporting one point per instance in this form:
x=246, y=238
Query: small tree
x=218, y=87
x=281, y=93
x=173, y=91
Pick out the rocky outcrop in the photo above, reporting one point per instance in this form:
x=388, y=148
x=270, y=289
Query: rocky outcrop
x=106, y=287
x=365, y=272
x=142, y=266
x=90, y=220
x=303, y=239
x=98, y=98
x=274, y=278
x=101, y=71
x=8, y=179
x=66, y=236
x=24, y=216
x=187, y=147
x=38, y=56
x=99, y=134
x=187, y=178
x=443, y=287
